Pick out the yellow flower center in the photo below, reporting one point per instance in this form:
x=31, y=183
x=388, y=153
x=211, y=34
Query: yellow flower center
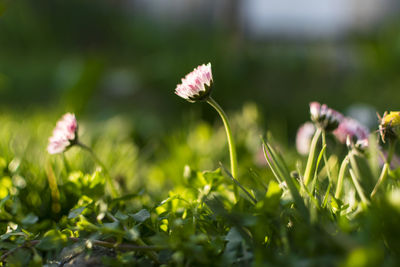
x=392, y=119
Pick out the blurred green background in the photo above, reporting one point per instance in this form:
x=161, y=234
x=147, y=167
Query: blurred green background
x=122, y=59
x=110, y=57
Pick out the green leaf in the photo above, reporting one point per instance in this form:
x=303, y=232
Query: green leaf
x=239, y=185
x=3, y=201
x=111, y=227
x=75, y=212
x=7, y=245
x=121, y=216
x=141, y=216
x=236, y=249
x=30, y=219
x=132, y=234
x=281, y=173
x=21, y=257
x=52, y=240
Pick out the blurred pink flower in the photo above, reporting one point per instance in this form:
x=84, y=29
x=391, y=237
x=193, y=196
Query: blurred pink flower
x=325, y=117
x=315, y=110
x=303, y=138
x=196, y=85
x=64, y=135
x=350, y=130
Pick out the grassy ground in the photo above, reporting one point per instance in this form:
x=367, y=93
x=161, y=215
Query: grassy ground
x=175, y=202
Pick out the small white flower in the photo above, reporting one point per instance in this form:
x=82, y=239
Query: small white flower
x=196, y=85
x=64, y=135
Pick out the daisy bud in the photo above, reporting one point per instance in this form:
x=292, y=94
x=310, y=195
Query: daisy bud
x=389, y=125
x=303, y=138
x=196, y=86
x=325, y=117
x=64, y=135
x=352, y=133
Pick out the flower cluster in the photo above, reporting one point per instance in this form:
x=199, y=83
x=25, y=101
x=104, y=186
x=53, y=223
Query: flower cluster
x=389, y=125
x=64, y=135
x=352, y=133
x=196, y=85
x=346, y=130
x=325, y=117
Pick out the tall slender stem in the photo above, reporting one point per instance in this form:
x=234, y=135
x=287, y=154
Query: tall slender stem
x=354, y=165
x=385, y=168
x=342, y=171
x=328, y=170
x=358, y=187
x=231, y=143
x=309, y=172
x=113, y=190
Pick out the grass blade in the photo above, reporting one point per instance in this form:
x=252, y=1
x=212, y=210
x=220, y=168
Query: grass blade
x=286, y=177
x=238, y=184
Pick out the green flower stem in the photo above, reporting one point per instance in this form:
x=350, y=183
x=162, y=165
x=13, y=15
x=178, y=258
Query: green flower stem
x=354, y=165
x=328, y=170
x=232, y=148
x=113, y=190
x=342, y=171
x=309, y=172
x=358, y=188
x=385, y=168
x=382, y=178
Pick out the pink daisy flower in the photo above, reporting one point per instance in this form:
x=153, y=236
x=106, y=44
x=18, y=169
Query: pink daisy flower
x=351, y=132
x=64, y=135
x=196, y=85
x=325, y=117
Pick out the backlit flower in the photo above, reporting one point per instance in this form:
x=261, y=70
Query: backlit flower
x=196, y=85
x=64, y=135
x=352, y=132
x=325, y=117
x=389, y=125
x=303, y=138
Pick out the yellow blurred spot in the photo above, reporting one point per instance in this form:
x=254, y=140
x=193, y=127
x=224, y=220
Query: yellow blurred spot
x=273, y=189
x=3, y=163
x=160, y=210
x=5, y=186
x=164, y=225
x=392, y=119
x=75, y=176
x=394, y=198
x=389, y=126
x=184, y=215
x=363, y=257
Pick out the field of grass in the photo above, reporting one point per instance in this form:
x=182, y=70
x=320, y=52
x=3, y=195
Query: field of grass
x=176, y=204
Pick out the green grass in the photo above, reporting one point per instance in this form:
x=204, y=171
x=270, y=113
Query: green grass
x=176, y=205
